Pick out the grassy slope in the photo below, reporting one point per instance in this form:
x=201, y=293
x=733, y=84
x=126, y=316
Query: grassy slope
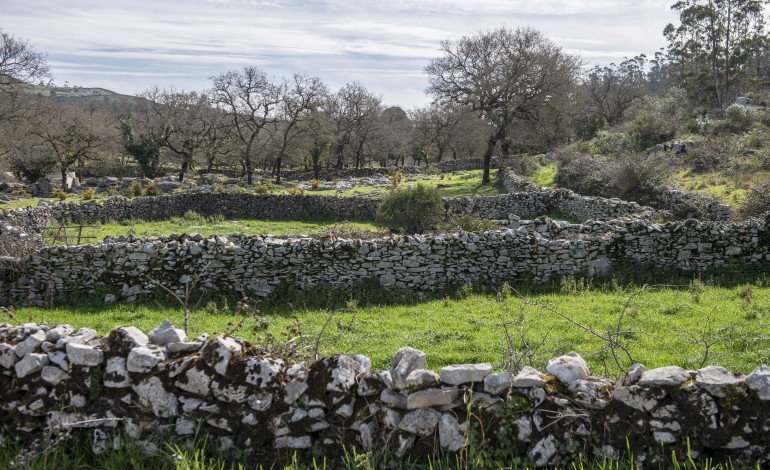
x=469, y=329
x=219, y=226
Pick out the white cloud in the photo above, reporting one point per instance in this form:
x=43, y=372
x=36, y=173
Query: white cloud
x=385, y=45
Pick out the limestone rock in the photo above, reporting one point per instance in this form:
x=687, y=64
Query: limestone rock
x=529, y=377
x=403, y=362
x=545, y=448
x=634, y=374
x=497, y=384
x=30, y=344
x=568, y=368
x=8, y=357
x=465, y=373
x=718, y=381
x=116, y=373
x=432, y=397
x=30, y=364
x=759, y=382
x=421, y=378
x=165, y=333
x=84, y=355
x=143, y=359
x=53, y=375
x=153, y=395
x=421, y=422
x=220, y=351
x=669, y=376
x=451, y=434
x=58, y=332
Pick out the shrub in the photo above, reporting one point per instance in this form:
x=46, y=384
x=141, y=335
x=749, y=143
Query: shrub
x=412, y=210
x=295, y=191
x=60, y=194
x=396, y=178
x=88, y=194
x=135, y=190
x=151, y=190
x=314, y=184
x=757, y=201
x=470, y=223
x=262, y=188
x=738, y=118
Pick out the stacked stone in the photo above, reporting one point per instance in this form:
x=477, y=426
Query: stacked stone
x=161, y=386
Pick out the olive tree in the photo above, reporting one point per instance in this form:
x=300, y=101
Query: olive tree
x=505, y=75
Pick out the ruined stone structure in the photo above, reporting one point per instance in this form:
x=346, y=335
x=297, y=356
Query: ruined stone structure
x=160, y=387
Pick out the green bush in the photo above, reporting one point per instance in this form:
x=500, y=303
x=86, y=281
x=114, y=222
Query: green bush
x=413, y=209
x=88, y=194
x=60, y=194
x=151, y=190
x=757, y=201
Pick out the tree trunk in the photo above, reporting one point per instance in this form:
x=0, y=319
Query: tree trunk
x=278, y=170
x=186, y=159
x=64, y=178
x=491, y=144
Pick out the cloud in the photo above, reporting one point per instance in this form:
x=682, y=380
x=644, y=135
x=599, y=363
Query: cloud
x=385, y=45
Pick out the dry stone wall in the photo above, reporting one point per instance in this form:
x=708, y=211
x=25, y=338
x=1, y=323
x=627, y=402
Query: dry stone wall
x=538, y=251
x=161, y=387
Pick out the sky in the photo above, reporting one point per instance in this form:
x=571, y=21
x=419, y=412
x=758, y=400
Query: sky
x=130, y=46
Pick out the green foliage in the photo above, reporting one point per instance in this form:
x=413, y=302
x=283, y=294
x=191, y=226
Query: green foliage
x=145, y=150
x=757, y=202
x=262, y=188
x=315, y=183
x=414, y=209
x=134, y=190
x=295, y=191
x=396, y=178
x=88, y=194
x=151, y=190
x=60, y=194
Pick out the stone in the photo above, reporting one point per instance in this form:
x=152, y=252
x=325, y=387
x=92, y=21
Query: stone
x=131, y=336
x=542, y=452
x=153, y=395
x=30, y=364
x=403, y=362
x=663, y=437
x=421, y=378
x=110, y=299
x=290, y=442
x=420, y=422
x=669, y=376
x=497, y=384
x=719, y=382
x=53, y=375
x=637, y=397
x=393, y=399
x=58, y=332
x=143, y=359
x=294, y=390
x=528, y=377
x=116, y=373
x=369, y=384
x=465, y=373
x=633, y=375
x=759, y=382
x=220, y=351
x=84, y=355
x=262, y=371
x=452, y=435
x=8, y=357
x=184, y=347
x=344, y=373
x=30, y=344
x=432, y=397
x=195, y=381
x=568, y=368
x=165, y=333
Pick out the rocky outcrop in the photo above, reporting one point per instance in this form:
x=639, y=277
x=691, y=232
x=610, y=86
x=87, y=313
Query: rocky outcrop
x=161, y=388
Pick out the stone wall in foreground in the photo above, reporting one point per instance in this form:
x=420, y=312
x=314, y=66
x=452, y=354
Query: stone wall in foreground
x=161, y=388
x=538, y=251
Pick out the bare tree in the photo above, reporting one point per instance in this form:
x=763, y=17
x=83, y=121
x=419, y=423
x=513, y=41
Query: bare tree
x=504, y=75
x=435, y=125
x=355, y=112
x=250, y=99
x=182, y=122
x=66, y=135
x=395, y=128
x=299, y=96
x=610, y=90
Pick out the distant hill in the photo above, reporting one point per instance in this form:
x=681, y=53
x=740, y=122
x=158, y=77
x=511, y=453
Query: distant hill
x=77, y=94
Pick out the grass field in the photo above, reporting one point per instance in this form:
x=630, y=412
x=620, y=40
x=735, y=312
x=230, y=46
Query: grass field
x=686, y=326
x=217, y=225
x=731, y=189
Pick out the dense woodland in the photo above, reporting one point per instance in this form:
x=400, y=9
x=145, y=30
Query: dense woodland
x=502, y=92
